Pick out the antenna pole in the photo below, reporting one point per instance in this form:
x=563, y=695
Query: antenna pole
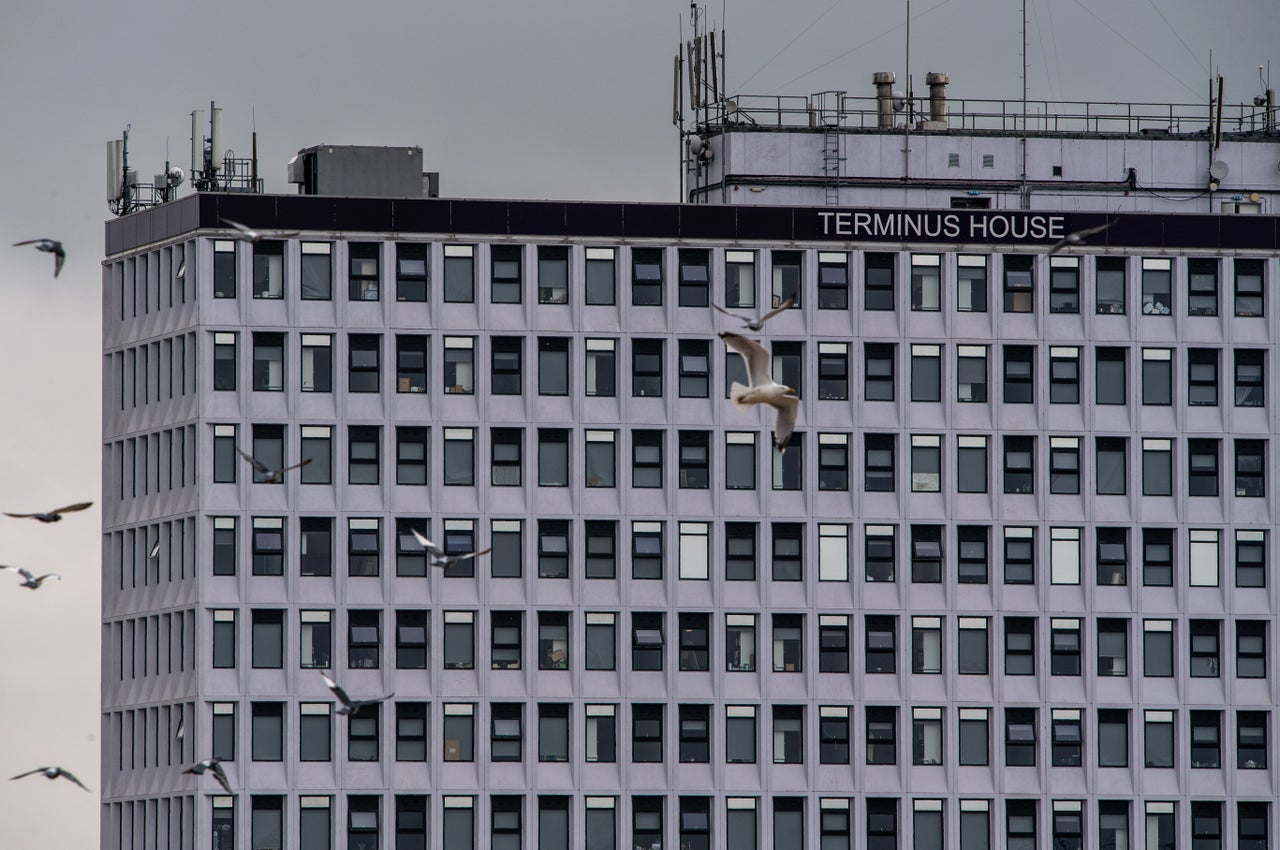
x=1025, y=200
x=906, y=126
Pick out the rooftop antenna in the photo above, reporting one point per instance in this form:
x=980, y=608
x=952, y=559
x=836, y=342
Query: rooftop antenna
x=1025, y=200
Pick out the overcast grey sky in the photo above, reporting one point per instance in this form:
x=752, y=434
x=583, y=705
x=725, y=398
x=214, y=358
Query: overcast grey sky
x=560, y=98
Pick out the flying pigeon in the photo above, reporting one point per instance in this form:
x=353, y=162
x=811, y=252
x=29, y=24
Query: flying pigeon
x=349, y=705
x=49, y=246
x=248, y=234
x=270, y=476
x=219, y=774
x=51, y=773
x=438, y=556
x=752, y=324
x=29, y=580
x=54, y=515
x=763, y=389
x=1077, y=237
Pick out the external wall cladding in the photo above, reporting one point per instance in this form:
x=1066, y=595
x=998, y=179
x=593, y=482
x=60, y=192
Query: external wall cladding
x=1009, y=584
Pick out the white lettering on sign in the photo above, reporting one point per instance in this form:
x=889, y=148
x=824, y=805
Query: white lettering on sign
x=938, y=225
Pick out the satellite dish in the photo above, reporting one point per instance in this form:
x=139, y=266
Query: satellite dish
x=1219, y=170
x=695, y=145
x=176, y=175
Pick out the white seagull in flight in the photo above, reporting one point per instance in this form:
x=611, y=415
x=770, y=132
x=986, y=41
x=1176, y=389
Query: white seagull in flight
x=763, y=389
x=31, y=581
x=754, y=324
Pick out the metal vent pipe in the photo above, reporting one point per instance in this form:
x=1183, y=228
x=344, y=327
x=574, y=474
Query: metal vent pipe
x=884, y=98
x=937, y=95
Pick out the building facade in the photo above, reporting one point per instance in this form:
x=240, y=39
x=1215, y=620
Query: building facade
x=1008, y=587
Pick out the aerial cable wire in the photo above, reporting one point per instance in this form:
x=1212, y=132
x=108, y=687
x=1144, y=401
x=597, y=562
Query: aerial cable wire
x=784, y=47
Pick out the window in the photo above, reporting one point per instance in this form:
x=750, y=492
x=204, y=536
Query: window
x=267, y=731
x=695, y=823
x=695, y=722
x=879, y=371
x=971, y=464
x=224, y=268
x=1157, y=467
x=459, y=457
x=224, y=730
x=646, y=368
x=1068, y=825
x=788, y=645
x=833, y=371
x=363, y=461
x=224, y=638
x=316, y=451
x=268, y=546
x=601, y=276
x=1064, y=465
x=646, y=550
x=1203, y=546
x=602, y=546
x=1157, y=290
x=926, y=463
x=315, y=641
x=788, y=734
x=553, y=640
x=1157, y=736
x=1252, y=831
x=740, y=460
x=926, y=282
x=1110, y=286
x=1206, y=739
x=459, y=732
x=1251, y=649
x=740, y=551
x=225, y=364
x=882, y=824
x=833, y=552
x=1202, y=467
x=833, y=643
x=363, y=362
x=1251, y=557
x=1157, y=376
x=879, y=463
x=882, y=735
x=694, y=551
x=459, y=273
x=646, y=458
x=833, y=280
x=926, y=373
x=695, y=370
x=411, y=271
x=363, y=639
x=315, y=731
x=1202, y=286
x=926, y=736
x=602, y=733
x=364, y=545
x=647, y=644
x=411, y=640
x=1113, y=737
x=317, y=271
x=317, y=363
x=1157, y=557
x=553, y=549
x=1019, y=290
x=878, y=285
x=506, y=822
x=740, y=734
x=1064, y=646
x=1020, y=737
x=553, y=366
x=1019, y=646
x=505, y=265
x=507, y=449
x=553, y=274
x=646, y=733
x=926, y=554
x=1250, y=374
x=833, y=734
x=1251, y=468
x=786, y=277
x=1019, y=464
x=602, y=368
x=739, y=279
x=1113, y=556
x=1157, y=648
x=1249, y=290
x=601, y=636
x=412, y=446
x=975, y=824
x=1019, y=555
x=553, y=732
x=881, y=644
x=880, y=552
x=1064, y=375
x=1064, y=284
x=363, y=279
x=268, y=269
x=971, y=373
x=459, y=823
x=694, y=638
x=740, y=643
x=694, y=279
x=459, y=365
x=1113, y=823
x=972, y=650
x=788, y=467
x=1019, y=374
x=788, y=364
x=363, y=734
x=694, y=460
x=646, y=275
x=1113, y=647
x=1111, y=467
x=788, y=546
x=1202, y=377
x=506, y=640
x=1111, y=369
x=601, y=459
x=1251, y=740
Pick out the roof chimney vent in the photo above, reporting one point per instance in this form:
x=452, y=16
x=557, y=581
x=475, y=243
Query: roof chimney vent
x=938, y=99
x=884, y=98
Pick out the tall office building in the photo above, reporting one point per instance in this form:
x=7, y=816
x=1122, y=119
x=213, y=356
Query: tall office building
x=1009, y=586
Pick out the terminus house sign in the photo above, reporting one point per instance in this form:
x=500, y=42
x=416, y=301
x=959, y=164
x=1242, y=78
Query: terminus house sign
x=960, y=226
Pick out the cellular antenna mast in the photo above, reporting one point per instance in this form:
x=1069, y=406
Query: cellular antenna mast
x=1025, y=201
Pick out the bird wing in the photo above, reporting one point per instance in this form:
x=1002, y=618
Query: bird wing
x=737, y=316
x=78, y=506
x=196, y=769
x=787, y=407
x=258, y=466
x=301, y=463
x=28, y=773
x=47, y=576
x=753, y=354
x=60, y=257
x=221, y=775
x=19, y=570
x=1059, y=245
x=18, y=516
x=425, y=543
x=1089, y=231
x=66, y=774
x=474, y=554
x=785, y=305
x=237, y=225
x=336, y=689
x=28, y=242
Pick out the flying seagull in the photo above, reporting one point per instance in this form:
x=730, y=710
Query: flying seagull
x=438, y=556
x=49, y=246
x=51, y=773
x=1077, y=237
x=54, y=515
x=219, y=774
x=349, y=705
x=29, y=580
x=248, y=234
x=752, y=324
x=155, y=550
x=270, y=476
x=763, y=389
